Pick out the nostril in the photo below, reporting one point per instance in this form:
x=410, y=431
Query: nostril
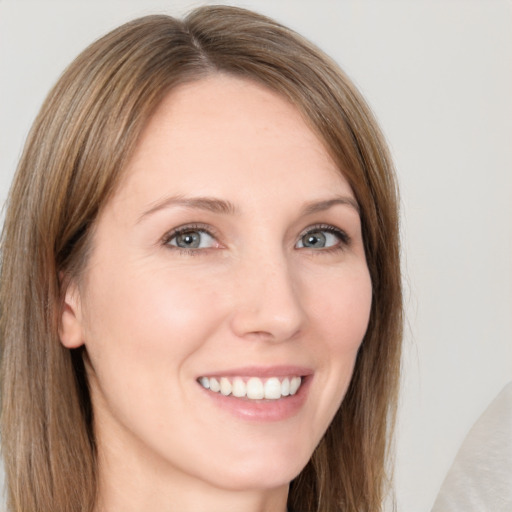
x=271, y=329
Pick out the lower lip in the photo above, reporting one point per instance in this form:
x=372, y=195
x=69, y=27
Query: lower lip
x=262, y=410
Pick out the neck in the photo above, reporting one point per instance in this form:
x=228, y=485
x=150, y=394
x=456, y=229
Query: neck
x=133, y=482
x=130, y=493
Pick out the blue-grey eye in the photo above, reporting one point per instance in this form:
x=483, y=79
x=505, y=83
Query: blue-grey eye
x=319, y=239
x=192, y=239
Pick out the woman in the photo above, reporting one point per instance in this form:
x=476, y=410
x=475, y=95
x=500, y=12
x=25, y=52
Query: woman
x=200, y=279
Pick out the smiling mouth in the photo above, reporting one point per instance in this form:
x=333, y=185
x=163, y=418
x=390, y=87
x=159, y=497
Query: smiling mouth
x=253, y=388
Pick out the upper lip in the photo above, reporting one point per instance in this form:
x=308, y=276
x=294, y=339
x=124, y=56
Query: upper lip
x=262, y=371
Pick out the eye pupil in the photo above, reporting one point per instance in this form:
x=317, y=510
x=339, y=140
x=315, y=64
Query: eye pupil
x=315, y=240
x=188, y=240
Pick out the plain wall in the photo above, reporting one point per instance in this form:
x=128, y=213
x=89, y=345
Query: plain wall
x=438, y=75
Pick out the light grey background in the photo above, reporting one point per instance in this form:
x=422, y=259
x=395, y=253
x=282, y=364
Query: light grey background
x=438, y=75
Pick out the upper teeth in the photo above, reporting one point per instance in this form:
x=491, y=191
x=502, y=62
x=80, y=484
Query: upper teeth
x=253, y=388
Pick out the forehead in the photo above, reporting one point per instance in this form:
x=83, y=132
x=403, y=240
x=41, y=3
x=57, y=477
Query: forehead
x=224, y=134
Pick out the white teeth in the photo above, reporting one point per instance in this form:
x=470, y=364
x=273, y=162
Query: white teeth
x=255, y=388
x=294, y=385
x=214, y=385
x=273, y=388
x=239, y=388
x=285, y=387
x=225, y=386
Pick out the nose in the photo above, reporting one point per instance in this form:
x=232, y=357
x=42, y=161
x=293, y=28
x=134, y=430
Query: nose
x=268, y=300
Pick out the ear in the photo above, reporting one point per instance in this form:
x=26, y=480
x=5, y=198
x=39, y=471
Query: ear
x=71, y=327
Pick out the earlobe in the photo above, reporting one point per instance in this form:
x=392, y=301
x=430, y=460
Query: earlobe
x=71, y=328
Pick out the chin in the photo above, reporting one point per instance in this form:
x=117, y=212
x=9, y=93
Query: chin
x=264, y=472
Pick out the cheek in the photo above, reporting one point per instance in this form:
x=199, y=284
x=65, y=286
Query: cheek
x=147, y=323
x=143, y=332
x=341, y=308
x=146, y=305
x=340, y=316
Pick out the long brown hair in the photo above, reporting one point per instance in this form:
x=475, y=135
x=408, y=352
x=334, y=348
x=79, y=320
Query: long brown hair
x=73, y=159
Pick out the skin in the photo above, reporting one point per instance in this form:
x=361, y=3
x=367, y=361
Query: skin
x=153, y=318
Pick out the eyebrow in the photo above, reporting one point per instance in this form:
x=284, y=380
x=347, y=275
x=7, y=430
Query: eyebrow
x=215, y=205
x=320, y=206
x=210, y=204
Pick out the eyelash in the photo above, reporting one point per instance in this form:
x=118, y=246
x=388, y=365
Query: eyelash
x=344, y=238
x=201, y=228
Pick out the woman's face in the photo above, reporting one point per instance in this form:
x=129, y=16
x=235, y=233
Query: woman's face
x=231, y=256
